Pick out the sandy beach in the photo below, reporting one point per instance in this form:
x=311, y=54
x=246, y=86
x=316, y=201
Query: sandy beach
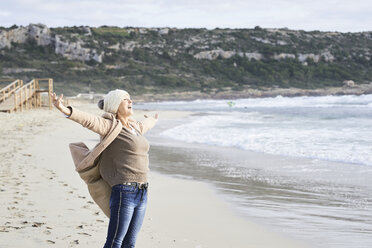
x=44, y=203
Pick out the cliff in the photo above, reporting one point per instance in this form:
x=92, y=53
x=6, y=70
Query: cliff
x=158, y=60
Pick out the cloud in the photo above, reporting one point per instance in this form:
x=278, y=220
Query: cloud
x=340, y=15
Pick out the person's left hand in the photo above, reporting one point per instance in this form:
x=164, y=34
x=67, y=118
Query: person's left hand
x=156, y=116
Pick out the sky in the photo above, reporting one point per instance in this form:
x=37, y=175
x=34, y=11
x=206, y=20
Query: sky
x=322, y=15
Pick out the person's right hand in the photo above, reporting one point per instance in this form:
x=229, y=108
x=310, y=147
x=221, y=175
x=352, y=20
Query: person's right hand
x=58, y=101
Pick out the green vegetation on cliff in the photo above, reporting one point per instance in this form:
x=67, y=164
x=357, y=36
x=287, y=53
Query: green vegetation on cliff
x=155, y=60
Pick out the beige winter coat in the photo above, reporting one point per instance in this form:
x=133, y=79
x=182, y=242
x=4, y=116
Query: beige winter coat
x=85, y=160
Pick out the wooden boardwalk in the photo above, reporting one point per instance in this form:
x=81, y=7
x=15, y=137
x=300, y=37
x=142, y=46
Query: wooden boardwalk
x=17, y=96
x=7, y=105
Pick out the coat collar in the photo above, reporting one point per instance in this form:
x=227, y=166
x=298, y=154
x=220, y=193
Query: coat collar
x=132, y=121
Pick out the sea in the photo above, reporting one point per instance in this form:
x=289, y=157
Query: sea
x=301, y=166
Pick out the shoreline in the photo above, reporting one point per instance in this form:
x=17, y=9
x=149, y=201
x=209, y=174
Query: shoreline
x=228, y=93
x=48, y=204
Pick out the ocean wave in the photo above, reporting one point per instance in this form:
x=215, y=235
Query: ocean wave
x=347, y=101
x=321, y=139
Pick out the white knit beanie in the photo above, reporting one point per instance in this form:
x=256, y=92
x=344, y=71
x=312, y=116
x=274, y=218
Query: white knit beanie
x=113, y=99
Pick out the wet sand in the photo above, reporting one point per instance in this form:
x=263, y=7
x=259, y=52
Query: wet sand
x=44, y=203
x=322, y=203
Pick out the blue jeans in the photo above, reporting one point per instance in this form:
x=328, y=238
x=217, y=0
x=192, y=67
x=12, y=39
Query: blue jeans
x=127, y=211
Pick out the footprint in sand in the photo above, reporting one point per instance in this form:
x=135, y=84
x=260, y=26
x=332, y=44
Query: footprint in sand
x=19, y=214
x=37, y=224
x=12, y=208
x=75, y=242
x=85, y=234
x=51, y=172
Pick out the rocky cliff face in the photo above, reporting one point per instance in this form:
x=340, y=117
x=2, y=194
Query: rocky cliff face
x=219, y=53
x=42, y=36
x=18, y=35
x=76, y=50
x=202, y=44
x=33, y=32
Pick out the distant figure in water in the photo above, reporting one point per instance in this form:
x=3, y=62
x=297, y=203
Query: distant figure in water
x=116, y=169
x=231, y=104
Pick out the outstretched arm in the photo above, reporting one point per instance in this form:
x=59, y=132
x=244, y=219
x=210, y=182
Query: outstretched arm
x=148, y=123
x=58, y=103
x=94, y=123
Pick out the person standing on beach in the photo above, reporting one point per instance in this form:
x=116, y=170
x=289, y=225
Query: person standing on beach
x=119, y=163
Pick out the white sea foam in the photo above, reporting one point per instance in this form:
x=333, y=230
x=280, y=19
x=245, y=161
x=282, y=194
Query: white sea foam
x=270, y=102
x=331, y=143
x=333, y=128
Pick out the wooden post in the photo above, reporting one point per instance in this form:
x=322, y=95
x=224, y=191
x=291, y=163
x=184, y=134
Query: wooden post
x=20, y=94
x=3, y=96
x=23, y=99
x=15, y=101
x=20, y=100
x=50, y=90
x=38, y=94
x=33, y=97
x=26, y=98
x=29, y=97
x=30, y=94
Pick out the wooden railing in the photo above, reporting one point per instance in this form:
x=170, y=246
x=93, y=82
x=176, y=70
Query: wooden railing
x=10, y=89
x=23, y=95
x=44, y=85
x=17, y=96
